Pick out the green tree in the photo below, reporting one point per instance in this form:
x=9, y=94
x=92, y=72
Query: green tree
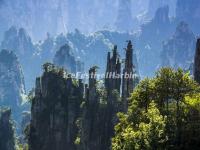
x=175, y=94
x=191, y=129
x=148, y=134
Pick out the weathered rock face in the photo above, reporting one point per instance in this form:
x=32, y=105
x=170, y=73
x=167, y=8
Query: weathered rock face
x=65, y=58
x=7, y=140
x=178, y=51
x=12, y=88
x=189, y=11
x=197, y=62
x=54, y=111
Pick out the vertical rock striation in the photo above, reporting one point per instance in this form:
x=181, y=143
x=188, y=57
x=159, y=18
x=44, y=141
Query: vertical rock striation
x=128, y=76
x=113, y=72
x=54, y=111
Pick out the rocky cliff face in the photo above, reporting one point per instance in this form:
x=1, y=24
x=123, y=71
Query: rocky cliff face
x=178, y=51
x=7, y=140
x=12, y=88
x=113, y=68
x=101, y=106
x=197, y=62
x=56, y=121
x=65, y=58
x=92, y=127
x=54, y=111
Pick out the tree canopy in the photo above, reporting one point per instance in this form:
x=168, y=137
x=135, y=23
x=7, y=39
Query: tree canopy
x=162, y=114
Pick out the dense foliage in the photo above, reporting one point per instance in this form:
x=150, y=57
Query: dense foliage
x=163, y=114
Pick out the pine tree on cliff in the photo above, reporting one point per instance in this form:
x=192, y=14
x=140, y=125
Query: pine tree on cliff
x=124, y=21
x=197, y=62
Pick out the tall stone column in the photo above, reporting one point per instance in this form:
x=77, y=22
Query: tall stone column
x=113, y=72
x=128, y=81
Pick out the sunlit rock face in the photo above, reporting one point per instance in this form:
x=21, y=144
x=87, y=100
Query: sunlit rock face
x=189, y=11
x=179, y=50
x=12, y=88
